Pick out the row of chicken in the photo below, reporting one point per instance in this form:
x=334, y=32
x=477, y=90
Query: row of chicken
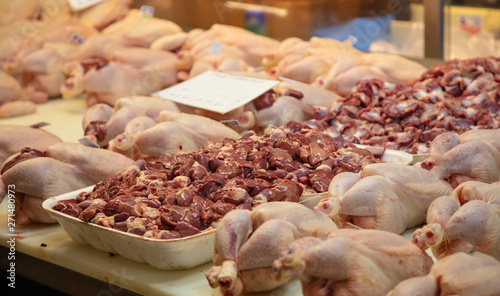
x=453, y=194
x=109, y=51
x=116, y=58
x=350, y=243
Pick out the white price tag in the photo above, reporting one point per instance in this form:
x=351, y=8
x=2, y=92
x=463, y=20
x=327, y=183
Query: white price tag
x=218, y=92
x=77, y=5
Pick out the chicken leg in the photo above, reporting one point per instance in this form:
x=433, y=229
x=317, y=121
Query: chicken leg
x=352, y=262
x=247, y=243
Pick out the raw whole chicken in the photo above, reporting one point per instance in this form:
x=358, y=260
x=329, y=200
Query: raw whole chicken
x=60, y=168
x=336, y=66
x=104, y=13
x=352, y=262
x=43, y=70
x=466, y=221
x=283, y=110
x=310, y=97
x=15, y=137
x=474, y=155
x=141, y=32
x=175, y=132
x=248, y=242
x=11, y=11
x=385, y=196
x=11, y=96
x=102, y=123
x=457, y=274
x=125, y=71
x=253, y=46
x=60, y=31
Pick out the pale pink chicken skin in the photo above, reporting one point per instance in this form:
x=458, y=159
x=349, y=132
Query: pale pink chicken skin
x=125, y=109
x=283, y=110
x=308, y=95
x=457, y=274
x=172, y=42
x=43, y=69
x=60, y=31
x=387, y=196
x=468, y=220
x=67, y=167
x=12, y=101
x=173, y=132
x=248, y=242
x=125, y=72
x=15, y=137
x=352, y=262
x=103, y=14
x=140, y=32
x=474, y=155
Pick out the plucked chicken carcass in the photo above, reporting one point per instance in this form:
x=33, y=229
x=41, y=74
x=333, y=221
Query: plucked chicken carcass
x=60, y=31
x=248, y=242
x=42, y=70
x=102, y=123
x=141, y=32
x=352, y=262
x=11, y=98
x=385, y=196
x=207, y=50
x=60, y=168
x=474, y=155
x=104, y=13
x=15, y=137
x=174, y=132
x=109, y=69
x=466, y=221
x=336, y=66
x=457, y=274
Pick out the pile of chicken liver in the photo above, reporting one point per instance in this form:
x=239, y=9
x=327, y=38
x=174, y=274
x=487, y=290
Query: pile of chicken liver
x=182, y=194
x=457, y=96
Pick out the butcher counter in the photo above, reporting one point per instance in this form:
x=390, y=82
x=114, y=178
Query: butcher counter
x=45, y=254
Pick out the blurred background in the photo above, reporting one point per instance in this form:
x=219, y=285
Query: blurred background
x=471, y=27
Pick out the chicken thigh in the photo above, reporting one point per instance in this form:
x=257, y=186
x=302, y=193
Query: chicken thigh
x=457, y=274
x=248, y=242
x=387, y=196
x=352, y=262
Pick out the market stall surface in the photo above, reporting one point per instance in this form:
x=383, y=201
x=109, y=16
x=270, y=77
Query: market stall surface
x=47, y=246
x=50, y=244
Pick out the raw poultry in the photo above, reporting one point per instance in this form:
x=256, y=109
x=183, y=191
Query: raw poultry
x=102, y=123
x=458, y=274
x=147, y=127
x=352, y=262
x=34, y=46
x=248, y=242
x=15, y=137
x=468, y=220
x=456, y=96
x=173, y=132
x=335, y=65
x=60, y=168
x=385, y=196
x=473, y=155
